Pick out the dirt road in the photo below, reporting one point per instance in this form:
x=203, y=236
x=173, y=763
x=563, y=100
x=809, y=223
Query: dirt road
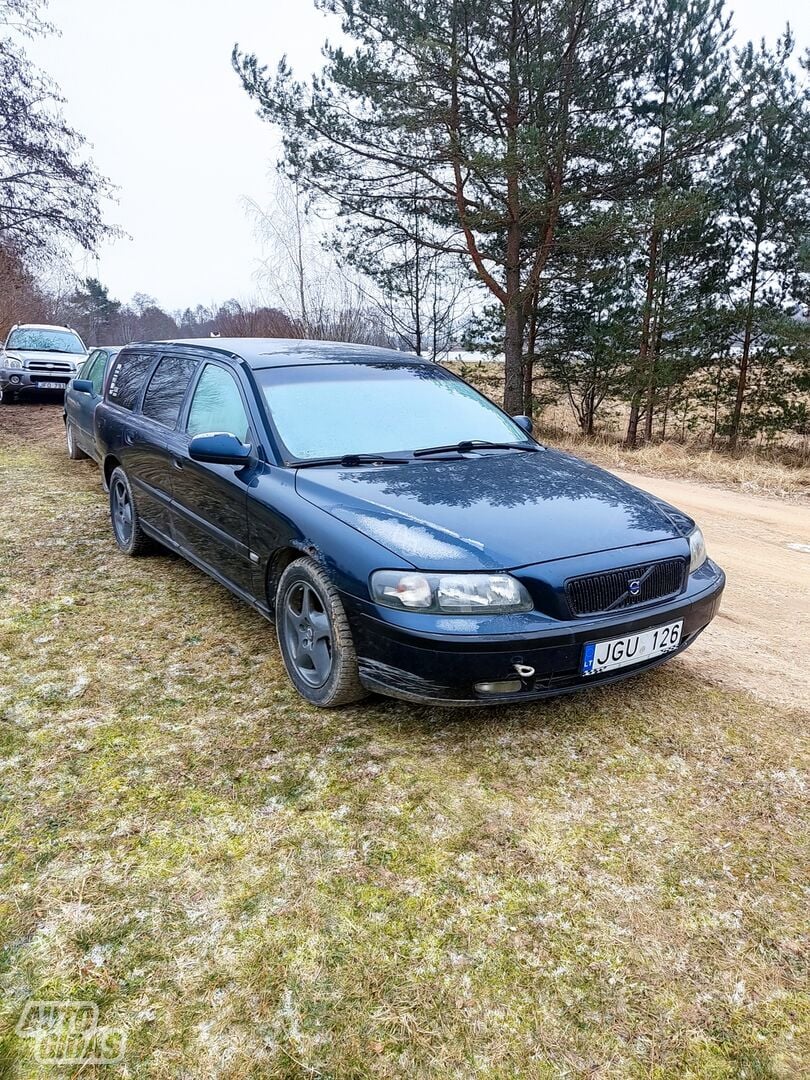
x=761, y=637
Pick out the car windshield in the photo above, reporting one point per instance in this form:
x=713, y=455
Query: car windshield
x=32, y=340
x=332, y=410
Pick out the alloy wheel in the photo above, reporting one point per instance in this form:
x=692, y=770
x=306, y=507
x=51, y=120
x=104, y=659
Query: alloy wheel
x=122, y=512
x=308, y=634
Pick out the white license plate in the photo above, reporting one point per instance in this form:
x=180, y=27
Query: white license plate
x=621, y=652
x=51, y=385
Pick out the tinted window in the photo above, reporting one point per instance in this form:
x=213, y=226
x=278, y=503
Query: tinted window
x=85, y=371
x=127, y=378
x=96, y=376
x=217, y=405
x=326, y=410
x=167, y=388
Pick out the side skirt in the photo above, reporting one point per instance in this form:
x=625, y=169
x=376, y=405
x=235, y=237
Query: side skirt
x=206, y=568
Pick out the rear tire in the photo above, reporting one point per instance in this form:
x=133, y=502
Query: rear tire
x=124, y=517
x=315, y=638
x=6, y=397
x=75, y=452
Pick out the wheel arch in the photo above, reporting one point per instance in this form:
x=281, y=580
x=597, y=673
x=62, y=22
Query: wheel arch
x=278, y=562
x=111, y=463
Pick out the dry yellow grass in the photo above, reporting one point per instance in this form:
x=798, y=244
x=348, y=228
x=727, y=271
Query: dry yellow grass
x=754, y=472
x=612, y=885
x=780, y=472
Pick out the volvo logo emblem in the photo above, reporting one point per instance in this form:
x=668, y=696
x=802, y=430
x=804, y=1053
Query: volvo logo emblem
x=634, y=586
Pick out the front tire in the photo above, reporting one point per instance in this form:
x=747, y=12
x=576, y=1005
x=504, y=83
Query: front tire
x=124, y=517
x=315, y=638
x=75, y=452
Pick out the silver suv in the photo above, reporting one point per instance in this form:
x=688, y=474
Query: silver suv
x=36, y=358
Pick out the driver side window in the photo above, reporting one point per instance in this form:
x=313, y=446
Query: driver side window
x=85, y=371
x=217, y=405
x=96, y=373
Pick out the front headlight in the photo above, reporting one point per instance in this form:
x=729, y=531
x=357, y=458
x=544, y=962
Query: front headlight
x=13, y=363
x=449, y=594
x=697, y=550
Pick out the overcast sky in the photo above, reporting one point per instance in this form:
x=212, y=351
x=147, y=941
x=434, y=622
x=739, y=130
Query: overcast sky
x=149, y=83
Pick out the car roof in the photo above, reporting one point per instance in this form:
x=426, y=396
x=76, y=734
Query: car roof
x=44, y=326
x=287, y=352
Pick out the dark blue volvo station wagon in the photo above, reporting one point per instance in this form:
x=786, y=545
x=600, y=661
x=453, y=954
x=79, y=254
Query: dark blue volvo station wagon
x=405, y=535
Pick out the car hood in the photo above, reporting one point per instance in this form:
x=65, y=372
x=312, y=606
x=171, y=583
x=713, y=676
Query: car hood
x=496, y=511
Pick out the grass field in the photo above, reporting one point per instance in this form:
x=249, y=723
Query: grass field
x=609, y=885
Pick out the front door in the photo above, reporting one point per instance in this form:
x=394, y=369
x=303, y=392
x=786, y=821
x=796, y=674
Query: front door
x=209, y=511
x=81, y=407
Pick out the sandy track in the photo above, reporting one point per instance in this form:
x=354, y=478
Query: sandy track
x=760, y=640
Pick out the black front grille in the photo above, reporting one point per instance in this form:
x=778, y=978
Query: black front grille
x=613, y=591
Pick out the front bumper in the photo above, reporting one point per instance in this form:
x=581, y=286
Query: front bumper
x=444, y=668
x=22, y=381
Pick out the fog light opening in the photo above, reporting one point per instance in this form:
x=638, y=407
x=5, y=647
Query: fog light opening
x=501, y=686
x=15, y=379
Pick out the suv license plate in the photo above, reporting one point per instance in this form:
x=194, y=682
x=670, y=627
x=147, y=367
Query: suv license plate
x=51, y=385
x=621, y=652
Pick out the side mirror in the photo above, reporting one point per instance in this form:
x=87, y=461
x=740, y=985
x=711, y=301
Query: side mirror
x=219, y=448
x=524, y=422
x=83, y=386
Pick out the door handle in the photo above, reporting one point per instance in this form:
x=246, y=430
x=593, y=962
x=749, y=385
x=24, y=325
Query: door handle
x=129, y=437
x=178, y=464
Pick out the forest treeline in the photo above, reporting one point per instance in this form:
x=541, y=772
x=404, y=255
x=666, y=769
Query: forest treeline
x=87, y=306
x=612, y=195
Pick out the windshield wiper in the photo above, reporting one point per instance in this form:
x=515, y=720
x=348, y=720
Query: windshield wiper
x=349, y=460
x=475, y=444
x=34, y=348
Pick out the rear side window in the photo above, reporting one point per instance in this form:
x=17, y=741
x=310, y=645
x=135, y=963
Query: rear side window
x=167, y=388
x=128, y=377
x=217, y=405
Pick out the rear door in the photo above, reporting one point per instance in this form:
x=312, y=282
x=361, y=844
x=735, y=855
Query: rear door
x=210, y=501
x=132, y=438
x=160, y=409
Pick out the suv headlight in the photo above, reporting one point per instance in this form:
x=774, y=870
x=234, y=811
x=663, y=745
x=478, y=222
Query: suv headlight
x=449, y=594
x=697, y=550
x=13, y=363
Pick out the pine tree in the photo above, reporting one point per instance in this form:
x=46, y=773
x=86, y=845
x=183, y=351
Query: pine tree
x=587, y=314
x=683, y=115
x=504, y=112
x=94, y=313
x=765, y=182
